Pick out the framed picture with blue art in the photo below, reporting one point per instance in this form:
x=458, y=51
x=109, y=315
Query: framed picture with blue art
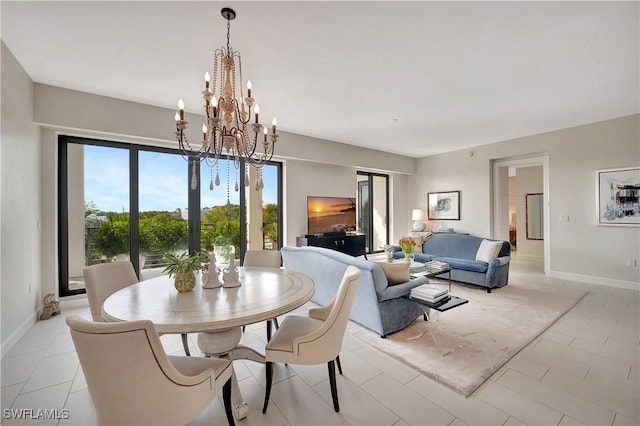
x=443, y=205
x=618, y=196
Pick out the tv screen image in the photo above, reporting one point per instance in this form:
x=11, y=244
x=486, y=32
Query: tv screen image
x=331, y=214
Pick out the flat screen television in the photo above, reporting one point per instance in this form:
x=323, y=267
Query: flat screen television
x=331, y=214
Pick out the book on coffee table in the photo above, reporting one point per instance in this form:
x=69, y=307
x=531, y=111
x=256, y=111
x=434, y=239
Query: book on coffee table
x=429, y=293
x=436, y=264
x=430, y=299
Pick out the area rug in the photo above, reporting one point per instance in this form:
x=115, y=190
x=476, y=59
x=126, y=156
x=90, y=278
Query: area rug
x=467, y=344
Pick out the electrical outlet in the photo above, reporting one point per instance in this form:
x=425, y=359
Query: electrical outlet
x=632, y=263
x=564, y=218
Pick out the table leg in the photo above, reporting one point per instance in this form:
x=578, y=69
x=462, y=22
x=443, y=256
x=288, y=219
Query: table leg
x=240, y=407
x=426, y=315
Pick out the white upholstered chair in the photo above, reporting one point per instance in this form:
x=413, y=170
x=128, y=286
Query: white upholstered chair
x=314, y=339
x=264, y=259
x=103, y=279
x=132, y=381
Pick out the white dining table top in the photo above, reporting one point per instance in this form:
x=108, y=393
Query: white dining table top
x=265, y=293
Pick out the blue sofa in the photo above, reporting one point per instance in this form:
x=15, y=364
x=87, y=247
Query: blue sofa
x=378, y=306
x=459, y=251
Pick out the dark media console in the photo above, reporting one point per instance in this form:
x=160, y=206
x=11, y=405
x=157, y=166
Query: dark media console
x=354, y=245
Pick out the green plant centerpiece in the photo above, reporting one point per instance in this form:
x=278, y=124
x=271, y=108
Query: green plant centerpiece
x=182, y=268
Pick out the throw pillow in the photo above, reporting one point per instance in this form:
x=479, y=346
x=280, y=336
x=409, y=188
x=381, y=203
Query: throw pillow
x=396, y=272
x=488, y=250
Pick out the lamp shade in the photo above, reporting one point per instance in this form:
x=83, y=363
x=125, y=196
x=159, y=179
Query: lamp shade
x=418, y=214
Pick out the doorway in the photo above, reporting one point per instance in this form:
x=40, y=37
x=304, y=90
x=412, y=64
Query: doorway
x=373, y=209
x=514, y=181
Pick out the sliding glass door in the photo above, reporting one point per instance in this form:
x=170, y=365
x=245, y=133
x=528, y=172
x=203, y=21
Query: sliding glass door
x=125, y=201
x=373, y=209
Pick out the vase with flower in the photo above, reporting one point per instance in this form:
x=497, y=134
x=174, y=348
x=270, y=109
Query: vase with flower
x=408, y=246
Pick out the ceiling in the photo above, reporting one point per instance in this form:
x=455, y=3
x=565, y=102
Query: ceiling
x=413, y=78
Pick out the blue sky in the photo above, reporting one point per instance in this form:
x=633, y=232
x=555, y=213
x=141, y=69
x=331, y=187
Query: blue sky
x=163, y=181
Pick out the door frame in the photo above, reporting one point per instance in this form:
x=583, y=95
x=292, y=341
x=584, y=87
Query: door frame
x=496, y=187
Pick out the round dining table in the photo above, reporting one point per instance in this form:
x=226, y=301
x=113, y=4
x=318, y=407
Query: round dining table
x=264, y=293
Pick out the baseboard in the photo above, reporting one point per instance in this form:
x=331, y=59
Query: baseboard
x=590, y=279
x=19, y=333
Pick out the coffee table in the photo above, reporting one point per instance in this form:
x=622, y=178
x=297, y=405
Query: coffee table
x=441, y=306
x=422, y=270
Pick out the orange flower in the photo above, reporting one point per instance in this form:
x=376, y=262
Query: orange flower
x=407, y=244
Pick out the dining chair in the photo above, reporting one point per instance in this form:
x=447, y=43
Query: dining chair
x=316, y=338
x=132, y=381
x=264, y=259
x=103, y=279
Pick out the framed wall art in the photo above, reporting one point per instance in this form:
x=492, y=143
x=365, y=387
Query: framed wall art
x=444, y=205
x=617, y=196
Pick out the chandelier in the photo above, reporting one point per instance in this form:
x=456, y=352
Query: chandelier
x=230, y=130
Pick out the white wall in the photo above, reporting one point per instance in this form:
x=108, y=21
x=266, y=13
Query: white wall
x=303, y=178
x=20, y=204
x=579, y=249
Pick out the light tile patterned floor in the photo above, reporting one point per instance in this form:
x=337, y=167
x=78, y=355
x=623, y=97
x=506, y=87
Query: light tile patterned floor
x=582, y=370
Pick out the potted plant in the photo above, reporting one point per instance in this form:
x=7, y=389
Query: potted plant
x=182, y=268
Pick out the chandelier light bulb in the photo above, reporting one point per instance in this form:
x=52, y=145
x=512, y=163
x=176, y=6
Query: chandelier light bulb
x=177, y=116
x=249, y=88
x=181, y=108
x=257, y=112
x=207, y=79
x=274, y=123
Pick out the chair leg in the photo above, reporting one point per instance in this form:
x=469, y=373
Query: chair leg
x=267, y=391
x=268, y=330
x=334, y=387
x=185, y=344
x=226, y=398
x=275, y=321
x=339, y=366
x=243, y=328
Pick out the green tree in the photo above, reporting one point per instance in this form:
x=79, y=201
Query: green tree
x=89, y=207
x=270, y=222
x=112, y=237
x=221, y=226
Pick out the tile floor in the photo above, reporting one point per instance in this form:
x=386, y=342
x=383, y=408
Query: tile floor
x=582, y=370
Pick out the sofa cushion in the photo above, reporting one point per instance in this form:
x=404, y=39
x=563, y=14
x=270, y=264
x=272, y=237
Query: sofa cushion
x=452, y=245
x=396, y=272
x=488, y=250
x=423, y=258
x=464, y=264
